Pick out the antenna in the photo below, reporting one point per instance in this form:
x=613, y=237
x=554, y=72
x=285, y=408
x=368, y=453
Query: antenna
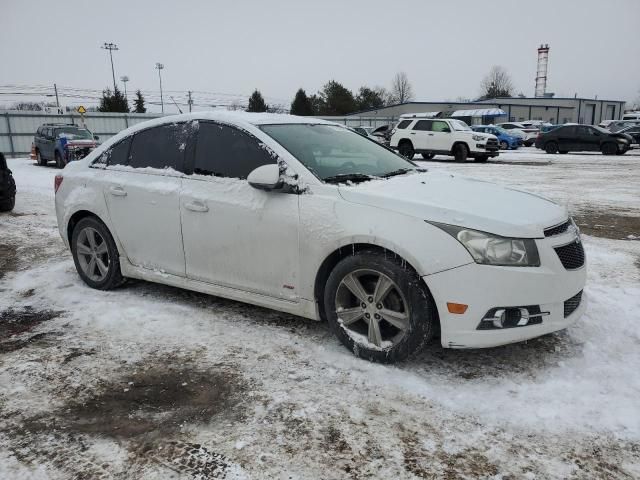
x=541, y=74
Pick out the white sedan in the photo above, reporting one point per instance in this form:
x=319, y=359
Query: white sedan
x=308, y=217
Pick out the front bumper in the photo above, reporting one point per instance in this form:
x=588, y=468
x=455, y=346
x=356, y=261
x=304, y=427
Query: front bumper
x=484, y=287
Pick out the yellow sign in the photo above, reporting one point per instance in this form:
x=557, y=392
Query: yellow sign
x=82, y=110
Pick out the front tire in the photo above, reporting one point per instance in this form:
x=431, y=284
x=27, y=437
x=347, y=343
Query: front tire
x=95, y=254
x=379, y=308
x=504, y=145
x=406, y=149
x=460, y=152
x=8, y=204
x=609, y=149
x=41, y=161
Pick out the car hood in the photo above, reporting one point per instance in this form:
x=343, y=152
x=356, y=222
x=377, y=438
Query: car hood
x=456, y=200
x=473, y=132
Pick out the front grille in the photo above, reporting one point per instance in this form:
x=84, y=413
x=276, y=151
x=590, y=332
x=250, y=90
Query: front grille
x=571, y=255
x=558, y=229
x=572, y=304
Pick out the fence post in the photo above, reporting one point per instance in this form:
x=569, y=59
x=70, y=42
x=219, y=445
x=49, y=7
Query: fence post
x=13, y=150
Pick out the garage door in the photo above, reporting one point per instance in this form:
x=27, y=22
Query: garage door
x=589, y=114
x=611, y=112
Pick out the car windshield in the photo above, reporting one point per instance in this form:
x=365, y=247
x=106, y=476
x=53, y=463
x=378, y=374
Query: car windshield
x=74, y=133
x=332, y=152
x=459, y=125
x=502, y=131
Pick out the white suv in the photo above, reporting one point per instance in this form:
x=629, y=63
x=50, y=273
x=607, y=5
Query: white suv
x=442, y=136
x=308, y=217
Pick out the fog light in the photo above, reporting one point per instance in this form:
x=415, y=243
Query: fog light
x=511, y=317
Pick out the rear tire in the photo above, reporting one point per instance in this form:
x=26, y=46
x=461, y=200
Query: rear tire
x=609, y=149
x=386, y=285
x=406, y=149
x=95, y=254
x=59, y=162
x=460, y=152
x=504, y=145
x=551, y=147
x=7, y=205
x=428, y=156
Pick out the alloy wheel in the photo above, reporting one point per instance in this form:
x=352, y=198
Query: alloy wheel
x=93, y=254
x=371, y=308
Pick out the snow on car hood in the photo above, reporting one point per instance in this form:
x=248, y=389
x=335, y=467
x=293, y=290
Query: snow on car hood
x=456, y=200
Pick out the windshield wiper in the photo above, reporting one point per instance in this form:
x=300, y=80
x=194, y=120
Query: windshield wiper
x=401, y=171
x=348, y=177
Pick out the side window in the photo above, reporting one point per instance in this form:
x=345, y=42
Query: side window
x=440, y=126
x=424, y=125
x=404, y=124
x=224, y=151
x=159, y=147
x=118, y=154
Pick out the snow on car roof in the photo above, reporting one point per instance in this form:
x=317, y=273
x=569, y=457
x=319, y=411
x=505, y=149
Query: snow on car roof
x=479, y=112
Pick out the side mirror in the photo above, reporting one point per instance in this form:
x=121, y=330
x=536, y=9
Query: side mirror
x=266, y=177
x=96, y=137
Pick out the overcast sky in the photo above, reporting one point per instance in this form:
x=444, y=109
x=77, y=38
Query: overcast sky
x=445, y=47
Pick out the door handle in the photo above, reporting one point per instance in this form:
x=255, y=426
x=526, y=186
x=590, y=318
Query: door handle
x=196, y=206
x=413, y=133
x=118, y=191
x=430, y=134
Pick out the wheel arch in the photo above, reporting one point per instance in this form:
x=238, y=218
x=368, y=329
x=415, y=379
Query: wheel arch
x=79, y=215
x=460, y=142
x=331, y=260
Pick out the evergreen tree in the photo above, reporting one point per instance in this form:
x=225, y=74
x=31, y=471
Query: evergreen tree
x=301, y=104
x=115, y=102
x=368, y=98
x=138, y=103
x=256, y=102
x=317, y=104
x=337, y=99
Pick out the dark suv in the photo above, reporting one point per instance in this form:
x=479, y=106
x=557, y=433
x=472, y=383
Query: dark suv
x=61, y=143
x=582, y=138
x=7, y=186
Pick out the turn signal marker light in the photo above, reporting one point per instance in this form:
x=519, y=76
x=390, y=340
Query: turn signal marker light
x=458, y=308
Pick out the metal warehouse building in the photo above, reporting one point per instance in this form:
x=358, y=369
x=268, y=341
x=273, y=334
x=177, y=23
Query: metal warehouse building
x=518, y=109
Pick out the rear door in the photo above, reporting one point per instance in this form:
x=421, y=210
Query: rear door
x=235, y=235
x=421, y=135
x=440, y=135
x=142, y=191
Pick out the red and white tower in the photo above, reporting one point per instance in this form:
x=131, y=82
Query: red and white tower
x=541, y=74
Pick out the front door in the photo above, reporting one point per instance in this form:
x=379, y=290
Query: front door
x=235, y=235
x=441, y=135
x=143, y=201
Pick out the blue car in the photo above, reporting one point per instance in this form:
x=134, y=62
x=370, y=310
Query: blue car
x=505, y=139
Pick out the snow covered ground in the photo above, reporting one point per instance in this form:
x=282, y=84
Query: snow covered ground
x=153, y=382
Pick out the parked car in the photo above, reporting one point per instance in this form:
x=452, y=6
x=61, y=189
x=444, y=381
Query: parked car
x=633, y=131
x=631, y=116
x=7, y=186
x=620, y=124
x=505, y=139
x=529, y=133
x=605, y=123
x=366, y=132
x=580, y=138
x=61, y=143
x=548, y=128
x=442, y=136
x=535, y=124
x=383, y=133
x=252, y=208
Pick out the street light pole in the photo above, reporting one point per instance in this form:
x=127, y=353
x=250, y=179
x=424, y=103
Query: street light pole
x=160, y=66
x=111, y=47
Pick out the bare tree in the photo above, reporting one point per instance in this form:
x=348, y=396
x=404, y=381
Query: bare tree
x=401, y=90
x=497, y=83
x=235, y=105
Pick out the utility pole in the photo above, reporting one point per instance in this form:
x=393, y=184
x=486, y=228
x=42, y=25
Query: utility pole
x=190, y=101
x=55, y=88
x=124, y=79
x=111, y=47
x=160, y=66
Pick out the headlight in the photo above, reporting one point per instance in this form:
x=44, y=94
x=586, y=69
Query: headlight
x=477, y=138
x=488, y=249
